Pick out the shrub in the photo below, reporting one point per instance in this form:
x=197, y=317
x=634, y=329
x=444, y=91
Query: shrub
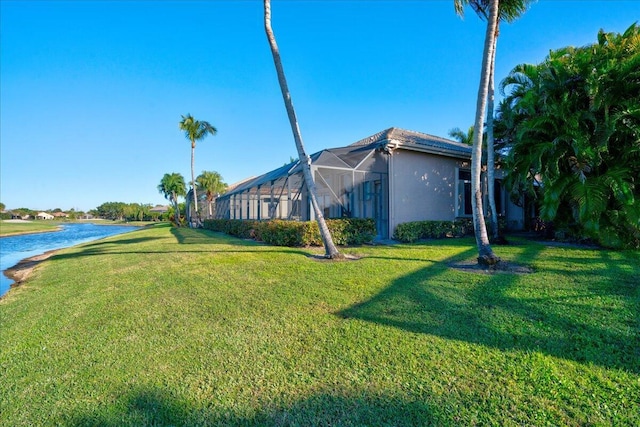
x=234, y=227
x=409, y=232
x=345, y=231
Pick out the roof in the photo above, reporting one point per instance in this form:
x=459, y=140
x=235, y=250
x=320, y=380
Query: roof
x=159, y=209
x=418, y=141
x=352, y=155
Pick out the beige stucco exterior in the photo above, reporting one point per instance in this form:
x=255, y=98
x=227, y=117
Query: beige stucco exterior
x=421, y=186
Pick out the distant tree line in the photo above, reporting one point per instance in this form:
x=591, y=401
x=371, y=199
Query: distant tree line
x=23, y=212
x=118, y=211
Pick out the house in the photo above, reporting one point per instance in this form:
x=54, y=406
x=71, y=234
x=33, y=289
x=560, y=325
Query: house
x=394, y=176
x=159, y=209
x=44, y=215
x=61, y=215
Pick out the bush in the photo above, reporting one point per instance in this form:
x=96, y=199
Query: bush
x=409, y=232
x=243, y=229
x=345, y=231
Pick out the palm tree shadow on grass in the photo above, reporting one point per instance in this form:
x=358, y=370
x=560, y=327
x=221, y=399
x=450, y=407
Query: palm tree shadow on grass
x=199, y=236
x=159, y=407
x=432, y=301
x=185, y=236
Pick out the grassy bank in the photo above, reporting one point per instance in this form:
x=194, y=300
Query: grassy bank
x=12, y=228
x=187, y=327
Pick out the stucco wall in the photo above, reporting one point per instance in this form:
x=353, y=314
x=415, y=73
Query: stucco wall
x=422, y=187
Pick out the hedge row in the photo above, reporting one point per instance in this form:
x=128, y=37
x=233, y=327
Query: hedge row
x=409, y=232
x=345, y=231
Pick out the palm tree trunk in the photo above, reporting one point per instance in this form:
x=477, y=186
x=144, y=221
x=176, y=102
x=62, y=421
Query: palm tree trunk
x=485, y=253
x=193, y=182
x=331, y=251
x=176, y=210
x=491, y=164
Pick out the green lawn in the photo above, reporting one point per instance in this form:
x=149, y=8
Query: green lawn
x=188, y=327
x=9, y=228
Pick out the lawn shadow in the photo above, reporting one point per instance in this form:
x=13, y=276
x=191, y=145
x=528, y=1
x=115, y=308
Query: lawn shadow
x=160, y=407
x=184, y=236
x=481, y=309
x=198, y=236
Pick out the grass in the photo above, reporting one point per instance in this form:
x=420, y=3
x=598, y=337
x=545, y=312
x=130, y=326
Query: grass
x=167, y=326
x=11, y=228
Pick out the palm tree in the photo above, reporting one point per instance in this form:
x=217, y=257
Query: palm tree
x=462, y=137
x=485, y=253
x=493, y=11
x=572, y=124
x=331, y=251
x=212, y=183
x=171, y=187
x=195, y=130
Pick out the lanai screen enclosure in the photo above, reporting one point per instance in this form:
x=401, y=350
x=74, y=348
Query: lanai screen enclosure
x=351, y=182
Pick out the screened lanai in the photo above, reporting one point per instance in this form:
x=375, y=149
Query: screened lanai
x=351, y=181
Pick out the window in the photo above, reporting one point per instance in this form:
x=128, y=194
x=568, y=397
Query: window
x=497, y=193
x=463, y=193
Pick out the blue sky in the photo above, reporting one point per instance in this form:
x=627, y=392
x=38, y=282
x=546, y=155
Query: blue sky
x=91, y=92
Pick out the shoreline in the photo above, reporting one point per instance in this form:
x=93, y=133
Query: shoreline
x=22, y=233
x=20, y=272
x=23, y=269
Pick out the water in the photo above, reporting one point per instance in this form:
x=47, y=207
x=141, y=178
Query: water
x=13, y=249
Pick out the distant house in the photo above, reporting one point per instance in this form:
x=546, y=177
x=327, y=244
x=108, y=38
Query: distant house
x=394, y=176
x=159, y=209
x=61, y=215
x=44, y=215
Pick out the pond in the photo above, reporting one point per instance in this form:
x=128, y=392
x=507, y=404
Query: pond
x=13, y=249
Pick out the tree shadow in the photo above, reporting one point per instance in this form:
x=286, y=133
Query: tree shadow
x=491, y=310
x=131, y=241
x=159, y=407
x=184, y=236
x=198, y=236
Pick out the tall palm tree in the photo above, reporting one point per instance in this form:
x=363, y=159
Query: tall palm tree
x=171, y=187
x=195, y=130
x=331, y=251
x=485, y=253
x=493, y=11
x=212, y=184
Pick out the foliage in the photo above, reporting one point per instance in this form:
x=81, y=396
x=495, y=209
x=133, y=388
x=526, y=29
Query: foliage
x=124, y=211
x=573, y=125
x=186, y=327
x=233, y=227
x=462, y=137
x=195, y=130
x=409, y=232
x=111, y=210
x=171, y=187
x=212, y=184
x=509, y=10
x=345, y=231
